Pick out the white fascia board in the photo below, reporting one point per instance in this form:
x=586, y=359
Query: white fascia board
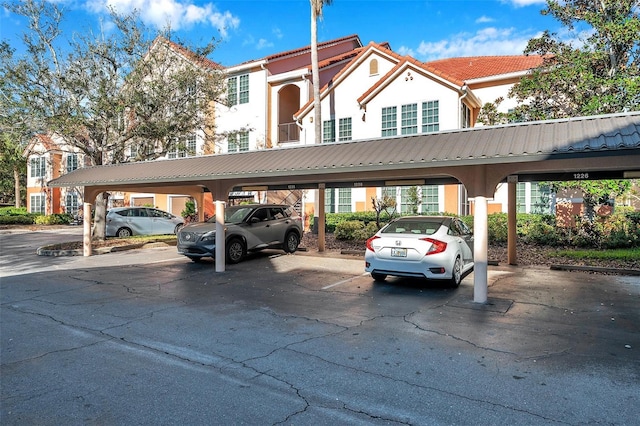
x=291, y=75
x=245, y=67
x=492, y=78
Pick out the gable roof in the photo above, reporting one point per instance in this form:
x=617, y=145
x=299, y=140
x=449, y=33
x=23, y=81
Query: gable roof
x=186, y=53
x=470, y=68
x=46, y=141
x=573, y=138
x=401, y=63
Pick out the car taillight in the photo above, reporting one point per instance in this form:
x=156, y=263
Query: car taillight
x=370, y=243
x=437, y=246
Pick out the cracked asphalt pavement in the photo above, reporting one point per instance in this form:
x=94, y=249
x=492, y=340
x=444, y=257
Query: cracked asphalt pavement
x=147, y=337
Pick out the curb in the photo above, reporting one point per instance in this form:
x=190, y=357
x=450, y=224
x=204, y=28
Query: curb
x=634, y=272
x=42, y=251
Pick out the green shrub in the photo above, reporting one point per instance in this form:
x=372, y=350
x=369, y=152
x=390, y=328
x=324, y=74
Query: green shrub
x=354, y=230
x=13, y=211
x=16, y=220
x=53, y=219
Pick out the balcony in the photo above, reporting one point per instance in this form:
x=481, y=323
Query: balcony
x=288, y=132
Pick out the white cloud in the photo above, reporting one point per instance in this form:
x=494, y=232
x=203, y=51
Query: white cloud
x=263, y=43
x=484, y=19
x=488, y=41
x=178, y=14
x=523, y=3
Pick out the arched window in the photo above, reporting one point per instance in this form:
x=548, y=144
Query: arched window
x=373, y=67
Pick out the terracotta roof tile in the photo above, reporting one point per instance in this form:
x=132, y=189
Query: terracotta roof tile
x=469, y=68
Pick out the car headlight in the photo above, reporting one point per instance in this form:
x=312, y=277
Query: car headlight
x=209, y=236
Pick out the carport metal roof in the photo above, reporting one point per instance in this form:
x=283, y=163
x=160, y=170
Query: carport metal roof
x=608, y=146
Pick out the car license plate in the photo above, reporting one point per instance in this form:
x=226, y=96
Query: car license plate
x=398, y=252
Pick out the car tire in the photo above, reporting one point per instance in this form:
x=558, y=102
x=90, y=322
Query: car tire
x=178, y=228
x=123, y=233
x=235, y=250
x=291, y=242
x=378, y=277
x=456, y=273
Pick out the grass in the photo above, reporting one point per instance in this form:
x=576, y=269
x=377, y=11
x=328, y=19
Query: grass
x=629, y=254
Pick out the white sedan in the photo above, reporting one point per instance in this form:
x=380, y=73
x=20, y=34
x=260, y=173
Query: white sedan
x=431, y=247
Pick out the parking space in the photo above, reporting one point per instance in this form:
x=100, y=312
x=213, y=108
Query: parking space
x=148, y=337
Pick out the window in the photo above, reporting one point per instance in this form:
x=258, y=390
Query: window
x=373, y=67
x=72, y=162
x=465, y=116
x=328, y=131
x=244, y=89
x=71, y=203
x=238, y=90
x=521, y=197
x=37, y=203
x=184, y=149
x=238, y=142
x=430, y=202
x=409, y=120
x=344, y=129
x=329, y=200
x=344, y=200
x=133, y=153
x=38, y=167
x=405, y=202
x=540, y=195
x=430, y=116
x=389, y=121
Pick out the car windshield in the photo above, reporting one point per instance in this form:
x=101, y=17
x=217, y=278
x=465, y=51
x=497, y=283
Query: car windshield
x=412, y=227
x=235, y=214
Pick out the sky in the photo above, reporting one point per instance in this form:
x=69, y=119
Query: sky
x=252, y=29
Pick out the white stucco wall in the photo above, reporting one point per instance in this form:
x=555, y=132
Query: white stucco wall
x=251, y=116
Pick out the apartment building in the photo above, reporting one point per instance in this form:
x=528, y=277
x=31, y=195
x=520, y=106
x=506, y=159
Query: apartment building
x=368, y=91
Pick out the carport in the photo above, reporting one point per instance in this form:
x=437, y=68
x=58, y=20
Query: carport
x=587, y=148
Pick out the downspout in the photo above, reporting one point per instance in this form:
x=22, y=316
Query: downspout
x=465, y=92
x=268, y=109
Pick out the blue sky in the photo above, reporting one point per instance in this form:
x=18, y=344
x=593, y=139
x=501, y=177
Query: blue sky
x=252, y=29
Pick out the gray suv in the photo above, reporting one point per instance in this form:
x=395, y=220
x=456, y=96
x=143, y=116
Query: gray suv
x=248, y=227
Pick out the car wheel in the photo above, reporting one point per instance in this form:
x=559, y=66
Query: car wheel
x=291, y=242
x=124, y=232
x=195, y=259
x=235, y=250
x=378, y=277
x=456, y=273
x=178, y=228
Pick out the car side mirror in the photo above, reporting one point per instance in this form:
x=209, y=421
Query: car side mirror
x=254, y=220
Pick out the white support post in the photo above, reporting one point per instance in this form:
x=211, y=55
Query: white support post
x=480, y=249
x=220, y=237
x=86, y=231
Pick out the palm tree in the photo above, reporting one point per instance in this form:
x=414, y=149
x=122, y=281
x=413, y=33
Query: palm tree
x=316, y=12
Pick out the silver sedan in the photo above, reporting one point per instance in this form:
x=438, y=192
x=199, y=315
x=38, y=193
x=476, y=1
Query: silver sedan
x=431, y=247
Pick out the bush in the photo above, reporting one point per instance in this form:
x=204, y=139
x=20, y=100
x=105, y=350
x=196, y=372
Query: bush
x=13, y=211
x=16, y=220
x=354, y=230
x=53, y=219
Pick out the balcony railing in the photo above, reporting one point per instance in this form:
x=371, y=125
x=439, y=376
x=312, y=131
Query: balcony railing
x=288, y=132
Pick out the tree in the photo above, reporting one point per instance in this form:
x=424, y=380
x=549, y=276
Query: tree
x=13, y=164
x=599, y=74
x=129, y=95
x=387, y=204
x=316, y=13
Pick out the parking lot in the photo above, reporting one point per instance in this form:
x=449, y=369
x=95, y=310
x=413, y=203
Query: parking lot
x=148, y=337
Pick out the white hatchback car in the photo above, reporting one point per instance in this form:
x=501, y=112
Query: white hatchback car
x=431, y=247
